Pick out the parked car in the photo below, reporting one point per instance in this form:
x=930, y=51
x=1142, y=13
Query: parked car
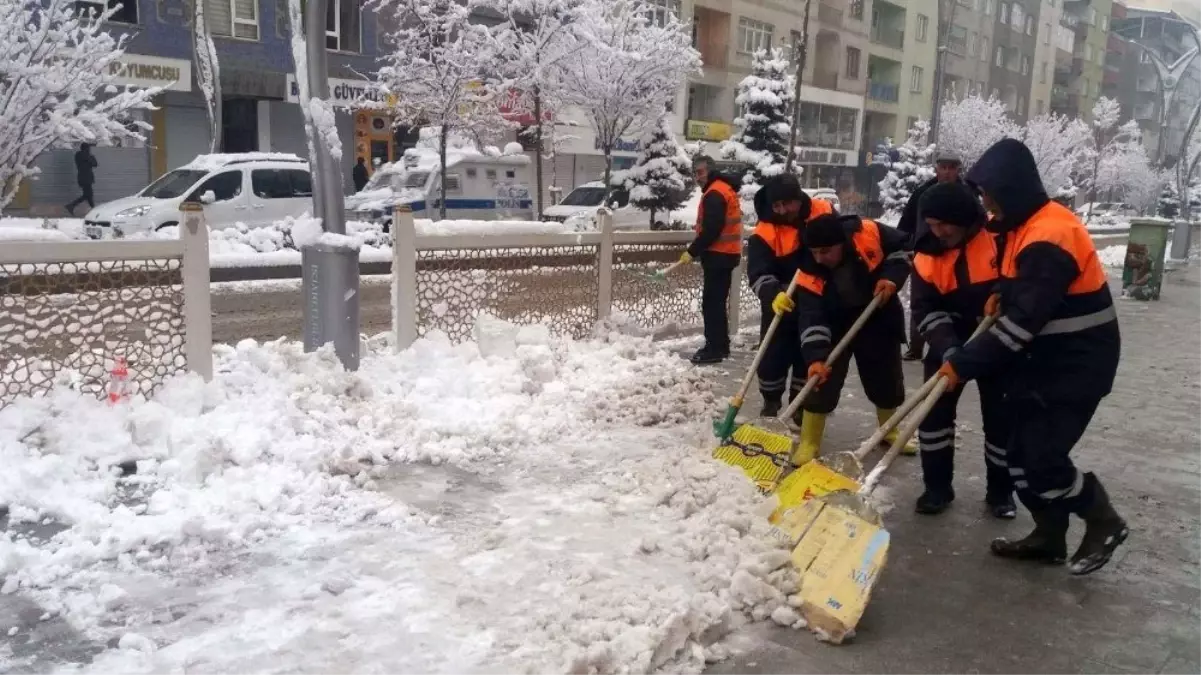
x=583, y=202
x=480, y=186
x=251, y=188
x=1118, y=210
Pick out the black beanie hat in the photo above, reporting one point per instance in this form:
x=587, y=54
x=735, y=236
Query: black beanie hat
x=953, y=203
x=825, y=231
x=782, y=188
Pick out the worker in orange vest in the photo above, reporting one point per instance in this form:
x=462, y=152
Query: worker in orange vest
x=954, y=273
x=1056, y=344
x=772, y=259
x=846, y=261
x=718, y=246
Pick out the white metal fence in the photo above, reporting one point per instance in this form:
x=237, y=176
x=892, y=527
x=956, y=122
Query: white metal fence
x=74, y=309
x=567, y=281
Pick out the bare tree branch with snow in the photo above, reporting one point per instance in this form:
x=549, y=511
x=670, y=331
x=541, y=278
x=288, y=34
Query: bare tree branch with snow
x=58, y=86
x=970, y=125
x=630, y=71
x=441, y=70
x=1059, y=145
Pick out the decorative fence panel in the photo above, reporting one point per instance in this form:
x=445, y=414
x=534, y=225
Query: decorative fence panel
x=74, y=309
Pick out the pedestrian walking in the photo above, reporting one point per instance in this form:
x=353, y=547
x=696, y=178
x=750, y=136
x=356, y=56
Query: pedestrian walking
x=845, y=262
x=1056, y=344
x=718, y=246
x=85, y=176
x=772, y=259
x=954, y=274
x=946, y=170
x=359, y=174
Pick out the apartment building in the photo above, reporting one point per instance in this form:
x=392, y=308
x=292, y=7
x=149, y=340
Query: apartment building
x=1042, y=79
x=1116, y=52
x=967, y=62
x=900, y=67
x=1014, y=52
x=1078, y=82
x=1169, y=36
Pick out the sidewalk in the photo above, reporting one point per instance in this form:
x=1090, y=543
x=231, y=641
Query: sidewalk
x=945, y=605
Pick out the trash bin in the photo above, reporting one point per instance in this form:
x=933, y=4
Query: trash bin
x=1142, y=271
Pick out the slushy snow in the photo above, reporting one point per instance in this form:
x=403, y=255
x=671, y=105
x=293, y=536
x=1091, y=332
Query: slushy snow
x=519, y=503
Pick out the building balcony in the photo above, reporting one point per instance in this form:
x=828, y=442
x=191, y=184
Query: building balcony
x=825, y=79
x=829, y=14
x=889, y=37
x=879, y=91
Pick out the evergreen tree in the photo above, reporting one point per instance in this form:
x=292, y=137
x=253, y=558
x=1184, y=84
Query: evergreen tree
x=914, y=165
x=1169, y=201
x=661, y=178
x=760, y=137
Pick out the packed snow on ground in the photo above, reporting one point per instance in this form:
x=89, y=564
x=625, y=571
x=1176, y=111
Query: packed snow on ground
x=515, y=504
x=41, y=229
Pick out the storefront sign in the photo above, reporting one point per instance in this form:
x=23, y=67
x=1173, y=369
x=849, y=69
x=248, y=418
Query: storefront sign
x=345, y=93
x=139, y=70
x=698, y=130
x=824, y=156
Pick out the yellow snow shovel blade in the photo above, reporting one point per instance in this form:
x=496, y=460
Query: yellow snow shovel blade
x=762, y=455
x=840, y=545
x=844, y=471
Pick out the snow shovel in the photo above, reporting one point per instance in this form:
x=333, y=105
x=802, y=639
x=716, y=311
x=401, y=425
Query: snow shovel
x=844, y=470
x=840, y=545
x=765, y=454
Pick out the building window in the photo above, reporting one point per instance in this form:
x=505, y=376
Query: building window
x=1018, y=17
x=923, y=25
x=1029, y=25
x=126, y=11
x=1021, y=105
x=233, y=18
x=986, y=6
x=342, y=25
x=1025, y=65
x=1000, y=57
x=857, y=10
x=915, y=80
x=1004, y=14
x=1046, y=33
x=984, y=49
x=827, y=126
x=1042, y=77
x=957, y=40
x=1104, y=22
x=1088, y=52
x=753, y=35
x=853, y=63
x=973, y=44
x=662, y=10
x=1038, y=106
x=910, y=122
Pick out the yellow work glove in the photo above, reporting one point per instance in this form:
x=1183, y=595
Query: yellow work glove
x=685, y=257
x=782, y=304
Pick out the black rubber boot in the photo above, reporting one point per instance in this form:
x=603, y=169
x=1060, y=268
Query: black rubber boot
x=1002, y=506
x=934, y=501
x=999, y=492
x=1104, y=529
x=1046, y=544
x=707, y=355
x=771, y=405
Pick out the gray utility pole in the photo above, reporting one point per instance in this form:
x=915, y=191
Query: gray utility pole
x=800, y=70
x=940, y=58
x=330, y=285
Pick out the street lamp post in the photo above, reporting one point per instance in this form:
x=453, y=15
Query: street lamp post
x=330, y=285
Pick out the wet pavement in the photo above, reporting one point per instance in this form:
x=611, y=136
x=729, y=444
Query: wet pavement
x=944, y=604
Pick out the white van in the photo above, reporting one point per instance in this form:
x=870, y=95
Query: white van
x=254, y=188
x=479, y=186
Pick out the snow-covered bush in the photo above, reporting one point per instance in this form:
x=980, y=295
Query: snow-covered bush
x=661, y=178
x=760, y=138
x=914, y=165
x=59, y=68
x=970, y=125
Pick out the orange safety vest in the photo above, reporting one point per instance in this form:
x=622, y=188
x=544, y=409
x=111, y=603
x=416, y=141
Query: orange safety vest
x=783, y=239
x=730, y=240
x=867, y=245
x=939, y=270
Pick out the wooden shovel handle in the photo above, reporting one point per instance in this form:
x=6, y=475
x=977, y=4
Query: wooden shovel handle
x=903, y=436
x=763, y=345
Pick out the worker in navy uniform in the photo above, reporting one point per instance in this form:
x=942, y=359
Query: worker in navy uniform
x=1056, y=344
x=954, y=273
x=772, y=256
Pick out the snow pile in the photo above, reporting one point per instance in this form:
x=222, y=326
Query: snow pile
x=40, y=229
x=517, y=504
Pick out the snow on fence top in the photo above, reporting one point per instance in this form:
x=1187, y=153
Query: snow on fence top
x=486, y=227
x=216, y=161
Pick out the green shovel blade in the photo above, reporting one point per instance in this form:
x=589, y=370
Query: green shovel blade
x=724, y=427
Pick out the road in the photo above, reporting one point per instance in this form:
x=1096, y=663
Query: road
x=266, y=310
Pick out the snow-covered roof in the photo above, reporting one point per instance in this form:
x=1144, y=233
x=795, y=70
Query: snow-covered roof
x=427, y=159
x=216, y=161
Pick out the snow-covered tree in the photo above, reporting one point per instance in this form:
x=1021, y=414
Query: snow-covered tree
x=970, y=125
x=440, y=69
x=1059, y=145
x=1104, y=129
x=1169, y=200
x=532, y=42
x=760, y=137
x=58, y=85
x=208, y=72
x=660, y=178
x=1122, y=167
x=914, y=165
x=630, y=70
